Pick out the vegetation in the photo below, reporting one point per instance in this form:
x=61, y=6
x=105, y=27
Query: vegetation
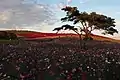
x=4, y=35
x=59, y=60
x=56, y=59
x=89, y=22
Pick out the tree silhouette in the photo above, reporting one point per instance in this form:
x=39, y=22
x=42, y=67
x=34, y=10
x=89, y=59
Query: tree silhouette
x=7, y=35
x=89, y=22
x=69, y=27
x=58, y=29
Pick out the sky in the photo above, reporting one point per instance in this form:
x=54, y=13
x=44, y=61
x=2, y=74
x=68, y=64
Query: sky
x=44, y=15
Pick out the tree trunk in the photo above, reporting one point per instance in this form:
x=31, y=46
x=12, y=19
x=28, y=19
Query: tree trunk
x=87, y=34
x=58, y=34
x=80, y=43
x=80, y=39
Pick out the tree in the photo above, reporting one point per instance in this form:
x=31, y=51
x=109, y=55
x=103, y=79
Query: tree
x=69, y=27
x=3, y=35
x=12, y=36
x=58, y=29
x=7, y=35
x=89, y=22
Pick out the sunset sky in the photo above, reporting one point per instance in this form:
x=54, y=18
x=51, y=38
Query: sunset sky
x=44, y=15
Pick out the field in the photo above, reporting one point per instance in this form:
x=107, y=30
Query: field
x=53, y=58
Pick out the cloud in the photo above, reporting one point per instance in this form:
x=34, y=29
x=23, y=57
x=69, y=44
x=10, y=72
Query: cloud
x=4, y=17
x=23, y=14
x=83, y=1
x=118, y=12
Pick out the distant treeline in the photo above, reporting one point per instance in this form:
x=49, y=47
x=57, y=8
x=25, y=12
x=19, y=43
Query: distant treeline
x=7, y=35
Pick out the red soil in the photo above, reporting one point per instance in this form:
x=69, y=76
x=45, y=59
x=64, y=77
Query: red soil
x=40, y=35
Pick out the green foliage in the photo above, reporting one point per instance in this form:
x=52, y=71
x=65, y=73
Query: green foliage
x=87, y=38
x=66, y=27
x=12, y=36
x=90, y=21
x=4, y=35
x=69, y=27
x=58, y=29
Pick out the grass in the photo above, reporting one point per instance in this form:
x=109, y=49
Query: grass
x=9, y=41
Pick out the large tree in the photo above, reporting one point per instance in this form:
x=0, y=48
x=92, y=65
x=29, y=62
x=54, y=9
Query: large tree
x=89, y=21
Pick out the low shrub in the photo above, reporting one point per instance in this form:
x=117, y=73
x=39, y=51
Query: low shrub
x=4, y=35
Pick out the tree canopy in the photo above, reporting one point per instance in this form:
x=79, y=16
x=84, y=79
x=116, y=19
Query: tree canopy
x=89, y=21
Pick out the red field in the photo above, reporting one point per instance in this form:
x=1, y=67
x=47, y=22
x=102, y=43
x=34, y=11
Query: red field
x=40, y=35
